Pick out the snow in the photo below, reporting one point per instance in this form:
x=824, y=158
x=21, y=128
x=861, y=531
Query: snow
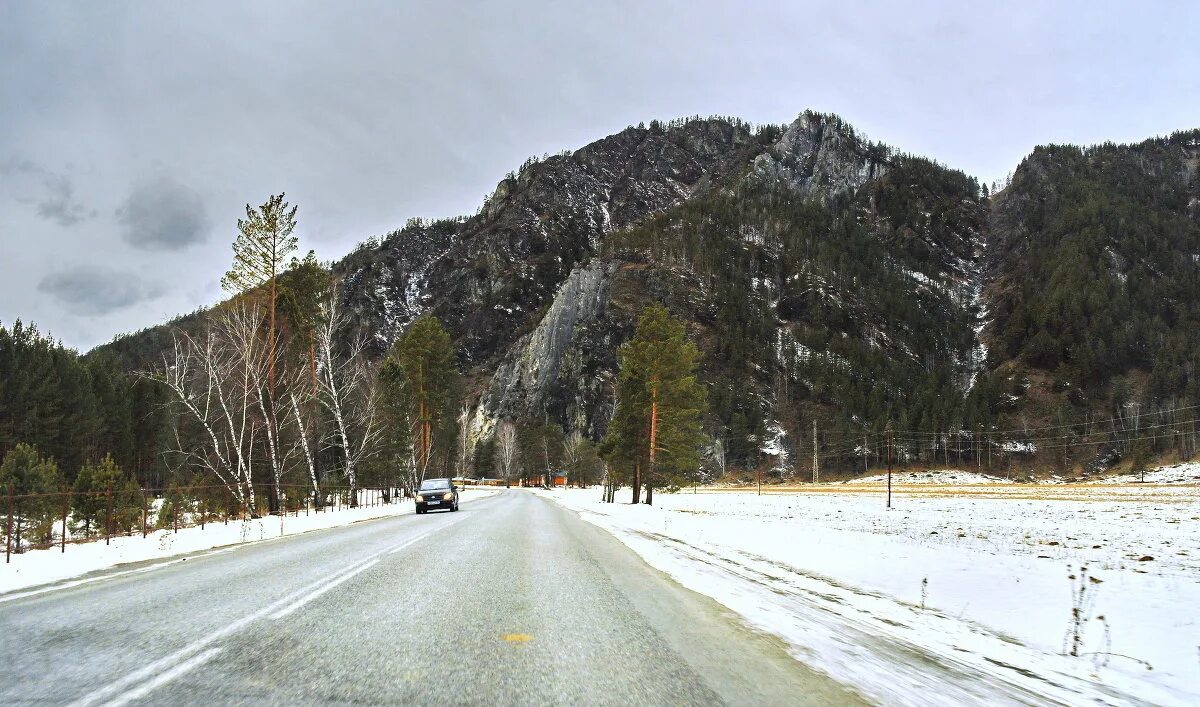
x=1175, y=474
x=920, y=278
x=38, y=567
x=773, y=440
x=937, y=477
x=959, y=594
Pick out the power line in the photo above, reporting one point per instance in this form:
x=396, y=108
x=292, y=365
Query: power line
x=1022, y=439
x=1021, y=430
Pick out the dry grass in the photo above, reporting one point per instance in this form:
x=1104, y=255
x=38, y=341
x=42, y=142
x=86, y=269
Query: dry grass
x=1159, y=493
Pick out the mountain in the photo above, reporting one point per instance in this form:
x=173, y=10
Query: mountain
x=1094, y=265
x=826, y=277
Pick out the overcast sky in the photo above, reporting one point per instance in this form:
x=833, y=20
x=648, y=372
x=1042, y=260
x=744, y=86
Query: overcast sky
x=132, y=134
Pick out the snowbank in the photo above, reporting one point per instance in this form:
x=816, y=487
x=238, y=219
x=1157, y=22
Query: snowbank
x=944, y=600
x=38, y=567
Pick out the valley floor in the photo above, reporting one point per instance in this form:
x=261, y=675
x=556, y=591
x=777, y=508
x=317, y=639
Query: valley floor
x=962, y=592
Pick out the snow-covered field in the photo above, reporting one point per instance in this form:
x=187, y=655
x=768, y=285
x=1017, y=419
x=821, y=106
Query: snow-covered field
x=952, y=596
x=38, y=567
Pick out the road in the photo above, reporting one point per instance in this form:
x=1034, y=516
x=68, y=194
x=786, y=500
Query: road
x=512, y=600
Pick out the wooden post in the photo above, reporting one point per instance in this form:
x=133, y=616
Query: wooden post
x=816, y=472
x=979, y=449
x=107, y=514
x=654, y=442
x=890, y=455
x=66, y=505
x=8, y=528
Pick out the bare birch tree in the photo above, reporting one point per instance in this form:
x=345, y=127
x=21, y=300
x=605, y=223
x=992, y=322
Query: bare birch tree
x=346, y=391
x=209, y=376
x=298, y=399
x=465, y=447
x=717, y=454
x=256, y=358
x=573, y=447
x=506, y=449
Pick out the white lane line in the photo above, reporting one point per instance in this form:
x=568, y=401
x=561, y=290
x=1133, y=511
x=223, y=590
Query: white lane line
x=164, y=678
x=422, y=536
x=304, y=600
x=168, y=662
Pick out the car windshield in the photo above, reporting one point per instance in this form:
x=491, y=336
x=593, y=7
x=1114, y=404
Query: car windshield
x=435, y=484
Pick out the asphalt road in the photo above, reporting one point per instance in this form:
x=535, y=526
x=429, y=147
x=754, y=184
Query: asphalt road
x=512, y=600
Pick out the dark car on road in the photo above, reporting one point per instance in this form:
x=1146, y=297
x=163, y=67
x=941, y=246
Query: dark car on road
x=437, y=494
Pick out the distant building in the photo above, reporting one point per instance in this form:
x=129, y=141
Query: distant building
x=557, y=478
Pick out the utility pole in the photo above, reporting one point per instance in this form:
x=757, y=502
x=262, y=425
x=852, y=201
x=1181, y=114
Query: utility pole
x=979, y=448
x=816, y=470
x=890, y=445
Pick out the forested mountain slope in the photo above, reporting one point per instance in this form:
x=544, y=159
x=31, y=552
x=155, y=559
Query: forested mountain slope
x=1094, y=263
x=826, y=278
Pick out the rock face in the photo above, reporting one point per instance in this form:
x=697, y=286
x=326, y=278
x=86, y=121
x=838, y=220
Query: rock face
x=554, y=369
x=388, y=285
x=820, y=155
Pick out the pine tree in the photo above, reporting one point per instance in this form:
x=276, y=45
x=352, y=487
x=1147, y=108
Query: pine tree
x=656, y=431
x=301, y=291
x=396, y=442
x=262, y=247
x=91, y=496
x=28, y=475
x=426, y=357
x=541, y=449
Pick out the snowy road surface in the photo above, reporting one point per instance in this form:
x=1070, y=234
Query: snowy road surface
x=511, y=600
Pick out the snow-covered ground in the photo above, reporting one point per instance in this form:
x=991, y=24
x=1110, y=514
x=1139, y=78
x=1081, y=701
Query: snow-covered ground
x=1186, y=473
x=38, y=567
x=948, y=597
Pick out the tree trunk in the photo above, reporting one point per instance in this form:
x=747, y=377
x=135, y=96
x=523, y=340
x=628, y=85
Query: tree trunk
x=653, y=442
x=637, y=484
x=312, y=360
x=271, y=338
x=308, y=457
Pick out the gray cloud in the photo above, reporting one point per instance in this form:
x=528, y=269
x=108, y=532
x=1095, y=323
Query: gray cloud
x=241, y=100
x=163, y=215
x=57, y=203
x=96, y=290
